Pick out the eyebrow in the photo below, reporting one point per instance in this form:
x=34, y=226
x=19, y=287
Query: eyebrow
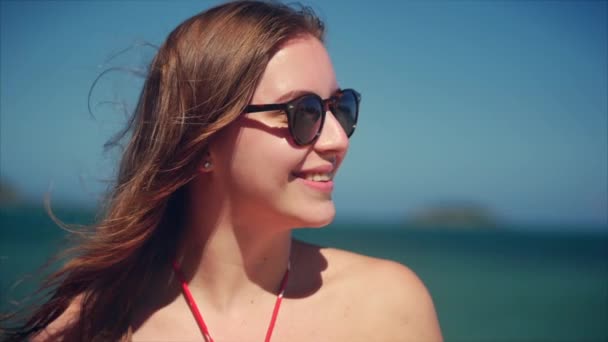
x=297, y=93
x=292, y=95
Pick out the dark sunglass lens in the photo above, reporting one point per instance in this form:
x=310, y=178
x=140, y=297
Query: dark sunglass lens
x=346, y=111
x=307, y=119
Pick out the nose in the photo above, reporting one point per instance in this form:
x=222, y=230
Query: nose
x=332, y=138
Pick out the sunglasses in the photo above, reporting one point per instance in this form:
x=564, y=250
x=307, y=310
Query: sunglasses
x=306, y=114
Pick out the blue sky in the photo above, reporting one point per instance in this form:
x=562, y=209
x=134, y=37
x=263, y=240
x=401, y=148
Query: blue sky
x=498, y=103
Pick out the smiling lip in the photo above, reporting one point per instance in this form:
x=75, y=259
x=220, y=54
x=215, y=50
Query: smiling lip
x=326, y=187
x=320, y=186
x=319, y=169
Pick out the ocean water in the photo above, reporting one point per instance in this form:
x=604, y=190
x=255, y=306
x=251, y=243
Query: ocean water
x=487, y=285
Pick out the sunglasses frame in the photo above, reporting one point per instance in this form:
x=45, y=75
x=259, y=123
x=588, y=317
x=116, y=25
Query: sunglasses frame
x=290, y=107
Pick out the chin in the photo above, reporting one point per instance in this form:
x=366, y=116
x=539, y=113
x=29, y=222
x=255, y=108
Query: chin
x=318, y=217
x=318, y=225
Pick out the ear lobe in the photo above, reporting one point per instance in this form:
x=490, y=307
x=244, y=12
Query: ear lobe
x=206, y=164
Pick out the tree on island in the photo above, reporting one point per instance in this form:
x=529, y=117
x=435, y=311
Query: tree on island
x=8, y=194
x=454, y=215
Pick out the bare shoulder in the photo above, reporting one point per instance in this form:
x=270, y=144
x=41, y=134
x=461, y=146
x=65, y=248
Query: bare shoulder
x=61, y=329
x=387, y=298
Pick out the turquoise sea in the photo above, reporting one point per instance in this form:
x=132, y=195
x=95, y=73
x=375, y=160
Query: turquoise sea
x=509, y=284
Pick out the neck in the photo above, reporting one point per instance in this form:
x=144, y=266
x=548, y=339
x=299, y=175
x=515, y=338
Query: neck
x=226, y=264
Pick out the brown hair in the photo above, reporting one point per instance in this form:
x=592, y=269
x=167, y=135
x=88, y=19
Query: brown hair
x=200, y=80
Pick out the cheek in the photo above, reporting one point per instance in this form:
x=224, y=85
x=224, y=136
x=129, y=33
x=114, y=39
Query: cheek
x=256, y=169
x=263, y=160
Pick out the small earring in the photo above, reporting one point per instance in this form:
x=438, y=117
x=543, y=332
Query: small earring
x=207, y=164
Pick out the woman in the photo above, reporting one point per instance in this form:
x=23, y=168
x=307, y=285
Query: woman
x=238, y=133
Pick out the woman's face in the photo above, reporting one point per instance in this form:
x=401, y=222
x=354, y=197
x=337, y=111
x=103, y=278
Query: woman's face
x=265, y=177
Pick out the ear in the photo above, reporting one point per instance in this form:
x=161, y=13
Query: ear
x=206, y=163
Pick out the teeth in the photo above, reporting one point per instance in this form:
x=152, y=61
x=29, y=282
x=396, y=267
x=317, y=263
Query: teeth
x=319, y=177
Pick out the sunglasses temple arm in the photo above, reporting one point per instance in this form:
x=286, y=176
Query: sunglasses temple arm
x=265, y=108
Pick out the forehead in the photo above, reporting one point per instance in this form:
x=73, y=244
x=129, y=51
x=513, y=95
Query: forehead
x=301, y=64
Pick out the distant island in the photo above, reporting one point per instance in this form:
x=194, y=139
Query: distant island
x=454, y=215
x=8, y=194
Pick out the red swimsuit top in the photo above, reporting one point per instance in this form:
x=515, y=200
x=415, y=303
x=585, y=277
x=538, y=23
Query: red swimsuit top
x=199, y=318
